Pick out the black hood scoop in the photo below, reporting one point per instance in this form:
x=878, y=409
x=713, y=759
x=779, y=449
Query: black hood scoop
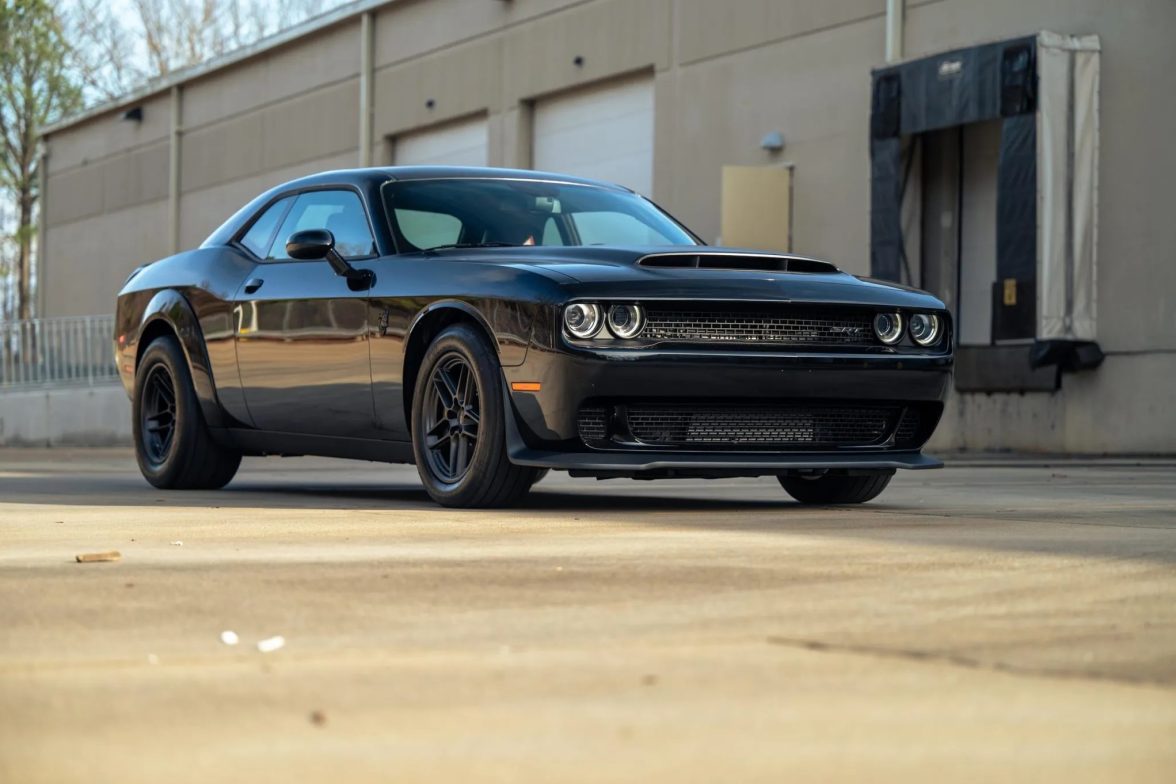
x=760, y=262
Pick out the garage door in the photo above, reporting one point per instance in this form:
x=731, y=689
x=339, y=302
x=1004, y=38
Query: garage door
x=603, y=132
x=456, y=144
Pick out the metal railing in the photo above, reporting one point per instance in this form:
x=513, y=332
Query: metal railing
x=57, y=351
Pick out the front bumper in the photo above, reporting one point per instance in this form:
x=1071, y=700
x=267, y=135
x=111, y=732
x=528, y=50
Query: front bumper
x=547, y=419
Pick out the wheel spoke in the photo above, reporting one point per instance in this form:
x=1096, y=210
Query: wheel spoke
x=452, y=463
x=462, y=453
x=446, y=389
x=464, y=383
x=437, y=435
x=167, y=396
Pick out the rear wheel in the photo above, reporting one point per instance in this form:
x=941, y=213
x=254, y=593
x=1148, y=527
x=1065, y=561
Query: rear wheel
x=458, y=430
x=836, y=489
x=172, y=443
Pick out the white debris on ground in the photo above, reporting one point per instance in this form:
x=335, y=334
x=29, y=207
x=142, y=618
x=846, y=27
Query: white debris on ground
x=229, y=637
x=271, y=644
x=177, y=543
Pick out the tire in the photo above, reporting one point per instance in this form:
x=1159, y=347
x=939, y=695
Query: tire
x=172, y=443
x=458, y=431
x=833, y=489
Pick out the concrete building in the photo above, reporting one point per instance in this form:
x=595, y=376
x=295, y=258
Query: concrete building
x=661, y=95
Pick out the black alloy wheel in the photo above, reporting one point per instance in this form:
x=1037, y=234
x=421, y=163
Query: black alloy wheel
x=459, y=425
x=173, y=445
x=452, y=415
x=157, y=414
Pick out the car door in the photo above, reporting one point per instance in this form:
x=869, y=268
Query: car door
x=302, y=333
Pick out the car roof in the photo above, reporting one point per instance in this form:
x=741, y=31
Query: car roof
x=385, y=173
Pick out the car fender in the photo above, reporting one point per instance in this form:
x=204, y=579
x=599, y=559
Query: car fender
x=511, y=335
x=171, y=307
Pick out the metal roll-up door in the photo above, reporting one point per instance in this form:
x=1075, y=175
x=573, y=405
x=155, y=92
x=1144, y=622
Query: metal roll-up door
x=604, y=132
x=461, y=143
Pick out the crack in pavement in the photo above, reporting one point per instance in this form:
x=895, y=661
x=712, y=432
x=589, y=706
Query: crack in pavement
x=967, y=662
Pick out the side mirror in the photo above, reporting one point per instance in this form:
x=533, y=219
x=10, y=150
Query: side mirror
x=314, y=244
x=310, y=244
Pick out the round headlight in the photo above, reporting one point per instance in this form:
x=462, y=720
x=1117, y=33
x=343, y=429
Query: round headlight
x=888, y=328
x=583, y=319
x=924, y=328
x=625, y=321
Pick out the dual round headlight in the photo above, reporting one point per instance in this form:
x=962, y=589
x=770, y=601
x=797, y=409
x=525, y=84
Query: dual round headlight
x=888, y=328
x=584, y=320
x=925, y=328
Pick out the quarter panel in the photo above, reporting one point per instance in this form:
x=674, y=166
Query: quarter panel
x=193, y=292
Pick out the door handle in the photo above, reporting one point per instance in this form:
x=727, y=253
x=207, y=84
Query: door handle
x=253, y=285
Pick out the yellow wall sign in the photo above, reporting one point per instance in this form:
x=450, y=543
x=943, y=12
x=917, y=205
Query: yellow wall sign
x=757, y=207
x=1010, y=292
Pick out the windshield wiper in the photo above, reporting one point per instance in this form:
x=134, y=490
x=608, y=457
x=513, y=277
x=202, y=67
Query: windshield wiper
x=471, y=245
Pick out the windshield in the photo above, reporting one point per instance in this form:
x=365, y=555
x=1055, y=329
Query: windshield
x=466, y=213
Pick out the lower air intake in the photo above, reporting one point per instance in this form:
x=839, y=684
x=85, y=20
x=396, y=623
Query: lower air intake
x=739, y=426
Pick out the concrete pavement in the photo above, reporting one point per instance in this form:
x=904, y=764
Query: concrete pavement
x=996, y=622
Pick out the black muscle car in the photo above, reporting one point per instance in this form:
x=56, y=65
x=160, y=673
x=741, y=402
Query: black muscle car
x=489, y=324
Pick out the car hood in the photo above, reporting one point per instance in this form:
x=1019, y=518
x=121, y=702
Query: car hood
x=599, y=271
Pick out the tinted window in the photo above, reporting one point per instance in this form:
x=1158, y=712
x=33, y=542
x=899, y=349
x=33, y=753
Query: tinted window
x=614, y=228
x=339, y=212
x=428, y=229
x=475, y=211
x=261, y=233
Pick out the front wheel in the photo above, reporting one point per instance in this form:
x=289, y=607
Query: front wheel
x=458, y=429
x=836, y=489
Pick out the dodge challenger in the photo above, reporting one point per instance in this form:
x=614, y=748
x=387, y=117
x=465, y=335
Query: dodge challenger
x=490, y=325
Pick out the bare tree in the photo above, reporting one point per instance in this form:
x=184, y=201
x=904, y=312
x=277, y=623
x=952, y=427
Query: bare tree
x=112, y=54
x=102, y=52
x=35, y=88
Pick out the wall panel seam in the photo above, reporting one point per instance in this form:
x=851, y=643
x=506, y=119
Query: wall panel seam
x=247, y=175
x=784, y=38
x=87, y=163
x=261, y=107
x=488, y=34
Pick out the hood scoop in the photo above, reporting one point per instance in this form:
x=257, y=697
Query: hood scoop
x=736, y=261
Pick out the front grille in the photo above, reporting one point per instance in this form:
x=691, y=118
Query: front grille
x=787, y=328
x=739, y=426
x=592, y=424
x=908, y=428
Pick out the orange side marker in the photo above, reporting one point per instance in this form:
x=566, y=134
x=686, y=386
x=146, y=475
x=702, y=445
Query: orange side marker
x=525, y=386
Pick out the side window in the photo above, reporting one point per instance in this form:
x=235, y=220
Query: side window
x=261, y=233
x=614, y=228
x=339, y=212
x=428, y=229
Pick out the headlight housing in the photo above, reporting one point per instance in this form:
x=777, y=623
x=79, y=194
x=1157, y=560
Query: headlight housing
x=925, y=329
x=888, y=328
x=626, y=321
x=583, y=320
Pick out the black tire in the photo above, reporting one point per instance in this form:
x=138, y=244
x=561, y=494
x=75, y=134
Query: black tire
x=460, y=443
x=833, y=489
x=172, y=443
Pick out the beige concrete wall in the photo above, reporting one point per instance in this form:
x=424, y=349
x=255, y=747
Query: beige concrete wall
x=725, y=73
x=92, y=257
